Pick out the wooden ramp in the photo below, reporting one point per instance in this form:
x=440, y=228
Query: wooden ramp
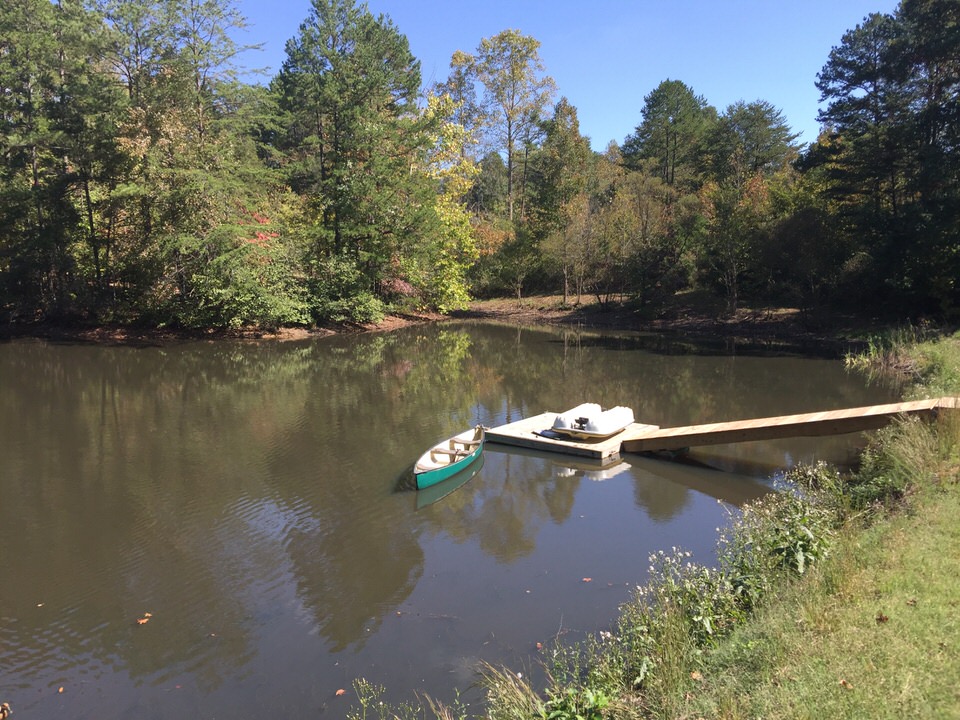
x=831, y=422
x=534, y=432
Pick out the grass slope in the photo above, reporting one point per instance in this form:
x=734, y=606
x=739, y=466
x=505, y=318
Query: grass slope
x=874, y=632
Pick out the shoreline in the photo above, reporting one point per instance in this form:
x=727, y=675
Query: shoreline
x=685, y=318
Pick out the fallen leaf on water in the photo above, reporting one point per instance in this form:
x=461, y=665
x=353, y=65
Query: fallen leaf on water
x=60, y=690
x=588, y=580
x=143, y=620
x=340, y=692
x=539, y=646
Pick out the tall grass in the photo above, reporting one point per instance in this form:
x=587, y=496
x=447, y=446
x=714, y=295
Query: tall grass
x=916, y=358
x=870, y=632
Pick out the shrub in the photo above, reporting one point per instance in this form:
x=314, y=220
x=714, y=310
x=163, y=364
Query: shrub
x=340, y=293
x=782, y=532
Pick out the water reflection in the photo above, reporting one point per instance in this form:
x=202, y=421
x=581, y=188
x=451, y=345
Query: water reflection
x=662, y=488
x=245, y=495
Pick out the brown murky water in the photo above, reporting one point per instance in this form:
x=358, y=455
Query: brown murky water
x=249, y=498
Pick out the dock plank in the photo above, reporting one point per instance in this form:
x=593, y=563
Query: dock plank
x=830, y=422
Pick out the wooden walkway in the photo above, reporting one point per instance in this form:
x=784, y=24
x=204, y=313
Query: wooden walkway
x=534, y=432
x=830, y=422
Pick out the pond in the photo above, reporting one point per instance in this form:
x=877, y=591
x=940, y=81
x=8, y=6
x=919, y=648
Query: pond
x=222, y=528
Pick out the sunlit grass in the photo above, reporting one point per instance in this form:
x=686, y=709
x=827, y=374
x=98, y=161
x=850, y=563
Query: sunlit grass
x=919, y=358
x=873, y=632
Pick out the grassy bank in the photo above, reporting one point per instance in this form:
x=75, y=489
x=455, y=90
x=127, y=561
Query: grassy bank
x=873, y=631
x=838, y=597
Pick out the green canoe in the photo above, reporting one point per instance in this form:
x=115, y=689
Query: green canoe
x=448, y=457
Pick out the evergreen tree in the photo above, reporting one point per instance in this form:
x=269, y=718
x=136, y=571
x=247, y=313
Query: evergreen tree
x=750, y=138
x=929, y=51
x=891, y=88
x=349, y=85
x=675, y=124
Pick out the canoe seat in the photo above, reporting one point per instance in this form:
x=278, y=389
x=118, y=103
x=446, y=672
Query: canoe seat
x=441, y=451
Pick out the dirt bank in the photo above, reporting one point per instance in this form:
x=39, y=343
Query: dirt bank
x=688, y=316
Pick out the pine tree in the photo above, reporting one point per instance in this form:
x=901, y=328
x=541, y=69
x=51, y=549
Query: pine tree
x=349, y=86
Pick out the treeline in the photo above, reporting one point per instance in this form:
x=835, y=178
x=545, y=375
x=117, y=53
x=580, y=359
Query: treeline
x=142, y=181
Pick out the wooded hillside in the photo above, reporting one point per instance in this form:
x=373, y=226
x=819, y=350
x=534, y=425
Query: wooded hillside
x=142, y=181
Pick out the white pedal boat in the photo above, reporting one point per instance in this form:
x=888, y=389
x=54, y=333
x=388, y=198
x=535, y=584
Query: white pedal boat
x=588, y=421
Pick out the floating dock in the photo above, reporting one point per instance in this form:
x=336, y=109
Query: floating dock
x=535, y=432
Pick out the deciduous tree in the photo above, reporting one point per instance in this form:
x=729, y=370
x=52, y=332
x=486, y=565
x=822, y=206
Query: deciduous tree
x=516, y=93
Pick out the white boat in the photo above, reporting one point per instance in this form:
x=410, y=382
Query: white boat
x=588, y=421
x=569, y=419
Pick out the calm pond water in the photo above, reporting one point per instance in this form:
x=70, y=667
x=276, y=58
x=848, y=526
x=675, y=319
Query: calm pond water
x=248, y=496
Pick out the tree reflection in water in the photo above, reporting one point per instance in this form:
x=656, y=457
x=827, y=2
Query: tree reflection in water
x=245, y=495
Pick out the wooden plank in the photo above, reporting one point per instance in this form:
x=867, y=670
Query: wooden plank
x=832, y=422
x=527, y=433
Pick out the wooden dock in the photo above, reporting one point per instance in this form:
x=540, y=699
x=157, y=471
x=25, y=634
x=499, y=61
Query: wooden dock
x=830, y=422
x=534, y=432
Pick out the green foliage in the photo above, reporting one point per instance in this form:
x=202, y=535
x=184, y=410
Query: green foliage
x=442, y=261
x=675, y=125
x=905, y=453
x=372, y=706
x=574, y=704
x=349, y=87
x=249, y=285
x=487, y=196
x=782, y=533
x=515, y=92
x=892, y=131
x=129, y=148
x=750, y=138
x=339, y=292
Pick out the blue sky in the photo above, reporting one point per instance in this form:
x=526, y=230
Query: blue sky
x=606, y=55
